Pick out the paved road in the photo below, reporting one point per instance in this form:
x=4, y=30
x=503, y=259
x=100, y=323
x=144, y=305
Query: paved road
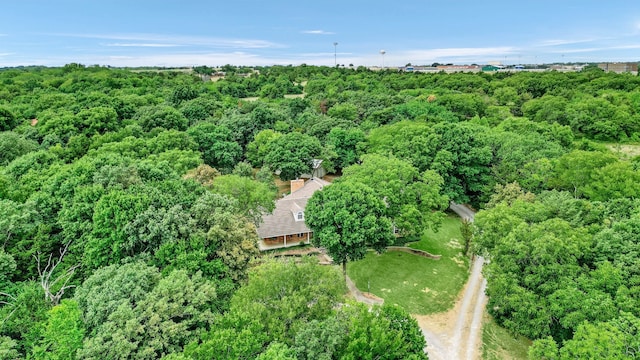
x=462, y=211
x=461, y=339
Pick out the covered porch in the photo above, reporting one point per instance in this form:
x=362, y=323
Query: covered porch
x=284, y=241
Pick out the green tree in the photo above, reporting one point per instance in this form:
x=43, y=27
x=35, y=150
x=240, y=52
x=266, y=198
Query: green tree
x=23, y=312
x=271, y=91
x=243, y=169
x=200, y=109
x=574, y=171
x=466, y=230
x=615, y=339
x=7, y=119
x=382, y=332
x=112, y=213
x=463, y=160
x=7, y=269
x=173, y=313
x=613, y=181
x=99, y=120
x=19, y=223
x=508, y=194
x=599, y=119
x=154, y=226
x=255, y=199
x=63, y=333
x=258, y=148
x=415, y=142
x=346, y=111
x=217, y=145
x=13, y=145
x=162, y=116
x=277, y=351
x=112, y=287
x=322, y=339
x=292, y=154
x=544, y=349
x=347, y=218
x=279, y=300
x=548, y=108
x=413, y=200
x=235, y=241
x=346, y=145
x=203, y=174
x=182, y=93
x=8, y=348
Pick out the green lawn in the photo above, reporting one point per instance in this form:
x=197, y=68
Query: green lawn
x=499, y=344
x=420, y=285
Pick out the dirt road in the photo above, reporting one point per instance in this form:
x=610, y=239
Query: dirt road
x=456, y=334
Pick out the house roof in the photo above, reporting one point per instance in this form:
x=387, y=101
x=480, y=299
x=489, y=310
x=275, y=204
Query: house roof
x=283, y=219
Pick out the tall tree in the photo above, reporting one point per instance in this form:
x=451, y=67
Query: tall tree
x=413, y=200
x=463, y=160
x=292, y=154
x=254, y=198
x=162, y=321
x=63, y=333
x=574, y=171
x=217, y=145
x=345, y=143
x=258, y=148
x=347, y=218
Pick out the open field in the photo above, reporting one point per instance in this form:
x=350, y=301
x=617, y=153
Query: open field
x=418, y=284
x=626, y=151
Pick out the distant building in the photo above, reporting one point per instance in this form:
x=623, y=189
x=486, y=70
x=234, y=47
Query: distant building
x=490, y=68
x=420, y=69
x=621, y=67
x=457, y=67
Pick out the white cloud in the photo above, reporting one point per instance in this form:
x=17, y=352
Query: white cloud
x=322, y=54
x=596, y=49
x=577, y=51
x=560, y=42
x=448, y=53
x=318, y=32
x=179, y=40
x=622, y=47
x=142, y=45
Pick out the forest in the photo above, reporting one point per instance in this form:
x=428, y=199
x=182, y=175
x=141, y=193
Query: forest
x=129, y=202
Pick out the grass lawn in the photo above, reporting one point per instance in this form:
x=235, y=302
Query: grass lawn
x=499, y=344
x=420, y=285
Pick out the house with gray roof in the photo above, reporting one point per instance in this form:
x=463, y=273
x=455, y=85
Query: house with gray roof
x=285, y=226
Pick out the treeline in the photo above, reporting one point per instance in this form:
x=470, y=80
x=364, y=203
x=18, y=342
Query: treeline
x=128, y=200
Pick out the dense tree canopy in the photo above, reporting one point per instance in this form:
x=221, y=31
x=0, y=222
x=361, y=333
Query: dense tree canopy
x=292, y=154
x=413, y=201
x=134, y=195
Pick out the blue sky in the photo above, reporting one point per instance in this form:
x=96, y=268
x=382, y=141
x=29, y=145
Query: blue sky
x=268, y=32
